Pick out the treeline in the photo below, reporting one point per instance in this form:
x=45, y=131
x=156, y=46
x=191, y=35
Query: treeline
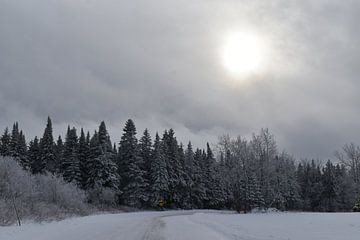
x=161, y=172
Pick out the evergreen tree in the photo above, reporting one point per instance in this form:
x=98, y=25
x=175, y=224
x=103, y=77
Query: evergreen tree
x=94, y=164
x=145, y=148
x=36, y=165
x=58, y=152
x=329, y=187
x=159, y=177
x=198, y=191
x=251, y=195
x=110, y=178
x=22, y=151
x=184, y=201
x=5, y=143
x=47, y=153
x=174, y=168
x=70, y=167
x=14, y=141
x=214, y=194
x=190, y=173
x=130, y=162
x=104, y=138
x=284, y=183
x=84, y=157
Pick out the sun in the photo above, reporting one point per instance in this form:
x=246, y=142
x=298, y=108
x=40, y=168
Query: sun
x=243, y=53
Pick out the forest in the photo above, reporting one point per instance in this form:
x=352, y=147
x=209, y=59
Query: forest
x=162, y=173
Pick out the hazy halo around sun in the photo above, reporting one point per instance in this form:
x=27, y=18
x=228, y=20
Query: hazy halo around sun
x=243, y=53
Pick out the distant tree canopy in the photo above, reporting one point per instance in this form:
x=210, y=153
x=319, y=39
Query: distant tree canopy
x=241, y=174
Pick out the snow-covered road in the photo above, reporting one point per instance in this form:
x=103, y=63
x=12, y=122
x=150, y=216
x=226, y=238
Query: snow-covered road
x=197, y=225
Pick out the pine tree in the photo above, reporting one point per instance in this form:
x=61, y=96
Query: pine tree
x=100, y=166
x=22, y=151
x=84, y=156
x=94, y=163
x=284, y=183
x=199, y=190
x=130, y=162
x=145, y=148
x=36, y=165
x=174, y=168
x=184, y=201
x=70, y=167
x=189, y=169
x=214, y=194
x=109, y=174
x=14, y=141
x=328, y=187
x=159, y=177
x=104, y=138
x=47, y=153
x=58, y=152
x=248, y=193
x=5, y=143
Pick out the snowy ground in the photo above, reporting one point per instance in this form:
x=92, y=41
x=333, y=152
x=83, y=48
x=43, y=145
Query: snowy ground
x=197, y=225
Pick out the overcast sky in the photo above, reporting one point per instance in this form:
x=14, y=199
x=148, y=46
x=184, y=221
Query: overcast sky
x=158, y=62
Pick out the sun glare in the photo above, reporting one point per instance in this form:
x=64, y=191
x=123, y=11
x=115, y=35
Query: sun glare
x=243, y=53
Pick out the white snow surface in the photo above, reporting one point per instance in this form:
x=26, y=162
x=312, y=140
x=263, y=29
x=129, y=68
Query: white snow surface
x=194, y=225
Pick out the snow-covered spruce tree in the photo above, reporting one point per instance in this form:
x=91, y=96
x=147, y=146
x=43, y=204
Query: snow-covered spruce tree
x=70, y=167
x=174, y=168
x=22, y=151
x=94, y=163
x=285, y=186
x=133, y=184
x=316, y=187
x=36, y=165
x=301, y=178
x=159, y=178
x=328, y=194
x=189, y=170
x=145, y=148
x=183, y=190
x=14, y=145
x=5, y=143
x=47, y=153
x=58, y=151
x=198, y=190
x=14, y=141
x=110, y=177
x=84, y=156
x=229, y=159
x=145, y=145
x=247, y=191
x=309, y=179
x=102, y=179
x=214, y=193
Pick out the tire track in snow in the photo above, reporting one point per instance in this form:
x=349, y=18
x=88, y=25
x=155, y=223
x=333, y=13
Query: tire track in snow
x=154, y=230
x=157, y=225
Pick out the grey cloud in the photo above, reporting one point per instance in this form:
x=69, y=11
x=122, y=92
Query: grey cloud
x=157, y=62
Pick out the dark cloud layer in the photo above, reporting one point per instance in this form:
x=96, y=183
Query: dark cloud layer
x=158, y=62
